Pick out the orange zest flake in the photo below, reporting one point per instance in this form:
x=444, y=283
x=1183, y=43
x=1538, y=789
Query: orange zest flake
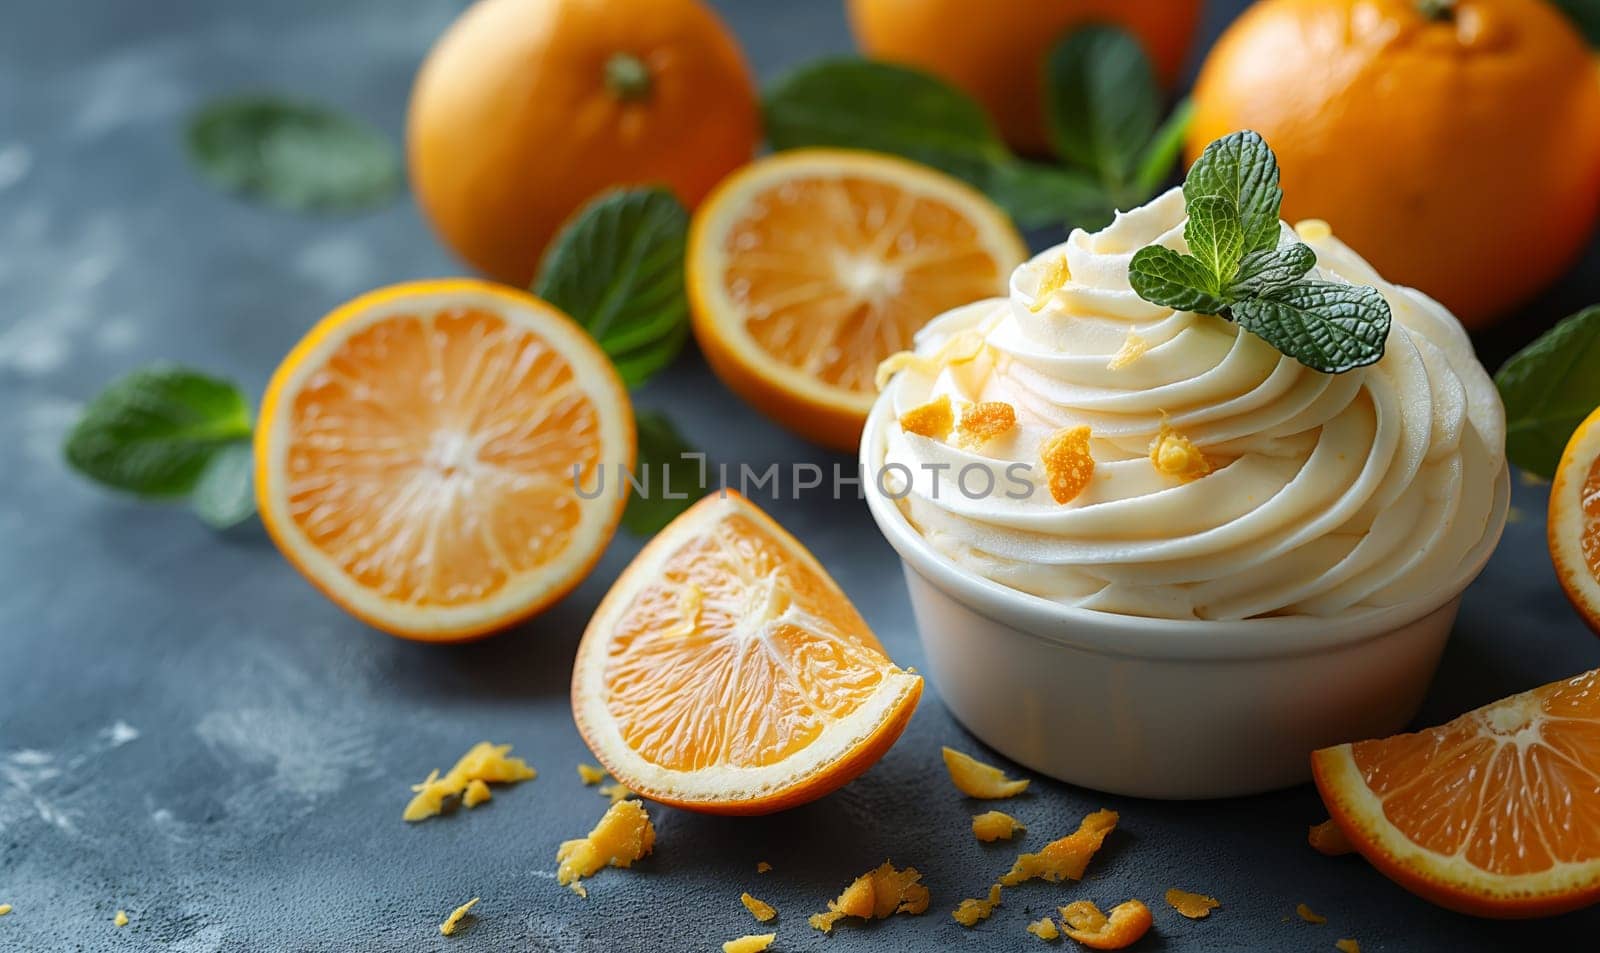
x=121, y=919
x=1172, y=454
x=962, y=348
x=1044, y=929
x=877, y=894
x=970, y=911
x=1347, y=946
x=1126, y=923
x=1067, y=463
x=1327, y=838
x=754, y=943
x=589, y=774
x=1195, y=906
x=1133, y=347
x=933, y=419
x=623, y=835
x=976, y=779
x=486, y=763
x=994, y=825
x=984, y=421
x=616, y=792
x=476, y=793
x=1056, y=275
x=761, y=911
x=762, y=867
x=5, y=908
x=1067, y=857
x=1305, y=914
x=448, y=927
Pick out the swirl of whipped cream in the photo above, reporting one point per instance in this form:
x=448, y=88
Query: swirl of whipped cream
x=1325, y=493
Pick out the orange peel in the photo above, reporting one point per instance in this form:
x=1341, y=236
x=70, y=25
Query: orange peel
x=1067, y=857
x=932, y=420
x=1068, y=464
x=976, y=779
x=1124, y=926
x=1327, y=838
x=984, y=421
x=1195, y=906
x=971, y=910
x=994, y=825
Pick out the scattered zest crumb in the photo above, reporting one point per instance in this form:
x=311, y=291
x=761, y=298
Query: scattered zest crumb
x=994, y=825
x=1306, y=914
x=971, y=911
x=762, y=867
x=876, y=894
x=933, y=419
x=1172, y=454
x=1133, y=347
x=1044, y=929
x=1192, y=905
x=5, y=908
x=448, y=927
x=590, y=774
x=976, y=779
x=1314, y=229
x=1123, y=927
x=761, y=911
x=754, y=943
x=1056, y=275
x=486, y=762
x=121, y=919
x=1347, y=946
x=623, y=835
x=1327, y=838
x=986, y=420
x=616, y=792
x=1066, y=857
x=1067, y=463
x=477, y=792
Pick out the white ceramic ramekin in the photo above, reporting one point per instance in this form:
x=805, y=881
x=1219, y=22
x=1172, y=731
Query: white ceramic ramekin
x=1164, y=708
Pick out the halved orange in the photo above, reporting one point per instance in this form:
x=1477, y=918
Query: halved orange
x=420, y=452
x=726, y=672
x=1574, y=520
x=1496, y=813
x=808, y=268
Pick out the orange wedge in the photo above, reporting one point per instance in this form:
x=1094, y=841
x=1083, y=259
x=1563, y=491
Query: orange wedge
x=726, y=672
x=808, y=268
x=416, y=450
x=1574, y=521
x=1495, y=814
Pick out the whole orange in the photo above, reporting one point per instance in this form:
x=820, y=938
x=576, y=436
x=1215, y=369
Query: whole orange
x=525, y=109
x=995, y=50
x=1456, y=146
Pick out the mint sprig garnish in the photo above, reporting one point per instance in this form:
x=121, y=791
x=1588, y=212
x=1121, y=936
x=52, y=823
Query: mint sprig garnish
x=1237, y=270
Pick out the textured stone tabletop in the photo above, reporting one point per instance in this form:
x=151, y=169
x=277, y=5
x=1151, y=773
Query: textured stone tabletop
x=190, y=733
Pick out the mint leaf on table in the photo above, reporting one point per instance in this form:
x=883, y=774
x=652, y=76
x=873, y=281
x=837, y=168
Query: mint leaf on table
x=1328, y=327
x=617, y=270
x=1161, y=276
x=297, y=155
x=661, y=445
x=1268, y=269
x=1102, y=103
x=158, y=432
x=1549, y=388
x=1242, y=168
x=224, y=495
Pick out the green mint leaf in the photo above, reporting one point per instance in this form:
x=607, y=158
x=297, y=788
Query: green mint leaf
x=224, y=495
x=661, y=445
x=1036, y=196
x=296, y=155
x=1242, y=168
x=617, y=269
x=862, y=104
x=1101, y=101
x=1180, y=282
x=1161, y=155
x=1327, y=327
x=1215, y=236
x=1549, y=387
x=154, y=431
x=1269, y=269
x=1585, y=16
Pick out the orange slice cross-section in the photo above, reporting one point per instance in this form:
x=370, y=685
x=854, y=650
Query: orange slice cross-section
x=416, y=455
x=726, y=672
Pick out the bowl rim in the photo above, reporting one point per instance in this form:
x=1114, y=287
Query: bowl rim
x=1111, y=633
